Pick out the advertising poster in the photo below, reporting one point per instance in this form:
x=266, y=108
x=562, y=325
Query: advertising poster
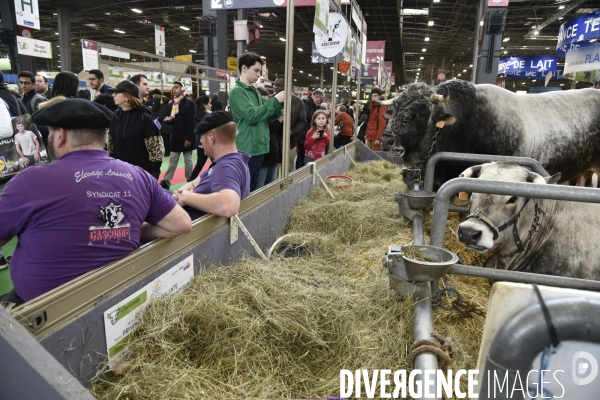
x=321, y=19
x=21, y=148
x=121, y=320
x=89, y=50
x=33, y=47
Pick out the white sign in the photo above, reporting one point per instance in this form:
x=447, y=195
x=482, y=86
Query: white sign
x=159, y=39
x=89, y=50
x=240, y=30
x=122, y=319
x=28, y=13
x=321, y=19
x=583, y=59
x=115, y=53
x=335, y=40
x=33, y=47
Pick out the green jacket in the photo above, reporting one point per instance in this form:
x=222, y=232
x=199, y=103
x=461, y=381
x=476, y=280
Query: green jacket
x=252, y=113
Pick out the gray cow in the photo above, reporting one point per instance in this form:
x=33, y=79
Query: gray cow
x=554, y=235
x=559, y=129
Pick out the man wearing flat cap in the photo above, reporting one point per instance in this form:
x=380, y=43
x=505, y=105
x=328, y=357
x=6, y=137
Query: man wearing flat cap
x=94, y=209
x=220, y=189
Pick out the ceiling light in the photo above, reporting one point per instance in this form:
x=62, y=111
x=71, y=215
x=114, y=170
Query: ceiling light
x=295, y=79
x=505, y=51
x=561, y=17
x=136, y=10
x=436, y=1
x=418, y=69
x=592, y=40
x=185, y=28
x=533, y=26
x=56, y=33
x=547, y=48
x=470, y=65
x=414, y=11
x=464, y=70
x=192, y=51
x=309, y=74
x=459, y=75
x=534, y=80
x=330, y=67
x=561, y=7
x=300, y=49
x=263, y=57
x=301, y=72
x=424, y=50
x=282, y=39
x=430, y=23
x=522, y=83
x=562, y=84
x=506, y=39
x=119, y=31
x=261, y=26
x=536, y=32
x=427, y=39
x=421, y=58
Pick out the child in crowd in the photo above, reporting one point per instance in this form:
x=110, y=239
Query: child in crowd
x=317, y=137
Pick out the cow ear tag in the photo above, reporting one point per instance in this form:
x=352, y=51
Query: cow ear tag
x=440, y=124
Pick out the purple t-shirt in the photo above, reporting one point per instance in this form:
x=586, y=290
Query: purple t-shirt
x=228, y=172
x=75, y=215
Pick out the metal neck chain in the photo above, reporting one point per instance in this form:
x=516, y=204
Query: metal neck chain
x=535, y=226
x=419, y=166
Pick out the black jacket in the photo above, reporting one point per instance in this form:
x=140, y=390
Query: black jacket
x=128, y=132
x=216, y=105
x=297, y=124
x=15, y=106
x=311, y=108
x=163, y=111
x=182, y=126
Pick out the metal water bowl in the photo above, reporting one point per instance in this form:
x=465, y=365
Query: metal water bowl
x=437, y=264
x=419, y=199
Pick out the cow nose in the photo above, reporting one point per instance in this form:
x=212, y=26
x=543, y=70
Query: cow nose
x=468, y=235
x=387, y=139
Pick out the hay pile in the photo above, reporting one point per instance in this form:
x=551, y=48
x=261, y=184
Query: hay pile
x=284, y=328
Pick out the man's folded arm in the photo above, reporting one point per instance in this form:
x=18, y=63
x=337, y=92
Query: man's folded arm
x=175, y=223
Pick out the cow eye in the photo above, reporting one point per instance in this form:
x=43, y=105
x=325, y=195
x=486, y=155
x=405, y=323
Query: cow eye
x=512, y=200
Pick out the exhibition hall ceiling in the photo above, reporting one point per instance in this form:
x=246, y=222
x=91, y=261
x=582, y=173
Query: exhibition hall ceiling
x=416, y=44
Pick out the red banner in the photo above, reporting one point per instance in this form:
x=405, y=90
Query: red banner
x=375, y=55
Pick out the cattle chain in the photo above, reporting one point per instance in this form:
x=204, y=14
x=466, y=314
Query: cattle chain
x=415, y=174
x=464, y=308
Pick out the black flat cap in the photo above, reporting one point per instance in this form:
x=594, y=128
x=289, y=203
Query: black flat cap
x=214, y=120
x=74, y=113
x=127, y=87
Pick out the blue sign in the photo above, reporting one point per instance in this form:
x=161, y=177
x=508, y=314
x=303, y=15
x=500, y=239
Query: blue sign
x=527, y=64
x=557, y=74
x=583, y=59
x=578, y=30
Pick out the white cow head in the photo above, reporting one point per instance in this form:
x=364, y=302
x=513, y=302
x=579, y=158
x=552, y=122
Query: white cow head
x=484, y=229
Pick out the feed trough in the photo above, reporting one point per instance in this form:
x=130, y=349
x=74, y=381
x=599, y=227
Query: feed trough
x=420, y=263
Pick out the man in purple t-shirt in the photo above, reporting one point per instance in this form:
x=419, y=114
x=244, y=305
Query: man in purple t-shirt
x=93, y=209
x=220, y=189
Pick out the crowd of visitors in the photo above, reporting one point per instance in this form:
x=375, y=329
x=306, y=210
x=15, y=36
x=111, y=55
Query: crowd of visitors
x=105, y=147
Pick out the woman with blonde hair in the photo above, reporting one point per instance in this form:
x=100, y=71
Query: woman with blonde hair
x=133, y=135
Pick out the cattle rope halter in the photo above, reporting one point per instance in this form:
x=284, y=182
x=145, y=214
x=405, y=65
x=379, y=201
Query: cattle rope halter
x=535, y=226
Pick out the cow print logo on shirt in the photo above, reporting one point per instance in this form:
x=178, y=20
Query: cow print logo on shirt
x=111, y=214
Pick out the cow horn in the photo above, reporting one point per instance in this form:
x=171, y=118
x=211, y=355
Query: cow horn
x=386, y=102
x=438, y=98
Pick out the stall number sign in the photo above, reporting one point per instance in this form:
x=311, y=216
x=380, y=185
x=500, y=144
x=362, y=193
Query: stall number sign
x=121, y=320
x=27, y=13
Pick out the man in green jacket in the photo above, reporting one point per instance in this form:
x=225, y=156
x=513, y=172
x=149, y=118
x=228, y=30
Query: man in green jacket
x=252, y=113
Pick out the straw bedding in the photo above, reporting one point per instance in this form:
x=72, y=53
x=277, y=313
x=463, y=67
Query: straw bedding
x=284, y=328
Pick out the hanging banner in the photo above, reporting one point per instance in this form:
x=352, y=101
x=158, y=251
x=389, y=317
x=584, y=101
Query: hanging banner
x=241, y=4
x=375, y=53
x=578, y=31
x=89, y=50
x=159, y=40
x=317, y=58
x=321, y=21
x=363, y=51
x=583, y=59
x=33, y=47
x=115, y=72
x=27, y=13
x=528, y=64
x=348, y=47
